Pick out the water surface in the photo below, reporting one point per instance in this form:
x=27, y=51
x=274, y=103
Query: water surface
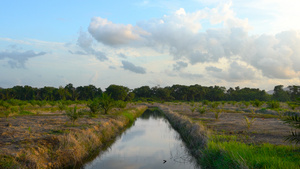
x=151, y=143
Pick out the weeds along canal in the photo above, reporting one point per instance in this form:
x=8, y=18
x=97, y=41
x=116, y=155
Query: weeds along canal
x=149, y=143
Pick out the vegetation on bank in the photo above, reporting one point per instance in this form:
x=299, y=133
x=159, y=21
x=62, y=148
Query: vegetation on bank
x=71, y=144
x=109, y=105
x=227, y=151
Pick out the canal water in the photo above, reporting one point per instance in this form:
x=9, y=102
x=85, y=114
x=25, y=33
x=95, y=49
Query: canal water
x=151, y=143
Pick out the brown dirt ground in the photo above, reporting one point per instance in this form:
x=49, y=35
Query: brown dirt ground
x=265, y=129
x=18, y=132
x=22, y=131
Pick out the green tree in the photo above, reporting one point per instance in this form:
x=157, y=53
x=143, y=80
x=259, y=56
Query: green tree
x=143, y=92
x=294, y=92
x=117, y=92
x=279, y=94
x=106, y=103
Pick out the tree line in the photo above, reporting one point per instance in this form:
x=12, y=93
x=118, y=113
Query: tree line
x=145, y=93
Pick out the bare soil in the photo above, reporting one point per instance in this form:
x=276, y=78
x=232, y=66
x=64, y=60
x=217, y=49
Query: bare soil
x=267, y=127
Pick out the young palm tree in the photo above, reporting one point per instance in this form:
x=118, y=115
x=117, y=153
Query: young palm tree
x=73, y=114
x=294, y=121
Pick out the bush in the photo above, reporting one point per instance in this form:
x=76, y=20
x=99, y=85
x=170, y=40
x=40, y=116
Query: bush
x=257, y=103
x=201, y=110
x=273, y=104
x=73, y=114
x=120, y=104
x=94, y=107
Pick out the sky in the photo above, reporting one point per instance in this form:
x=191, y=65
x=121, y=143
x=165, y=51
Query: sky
x=138, y=43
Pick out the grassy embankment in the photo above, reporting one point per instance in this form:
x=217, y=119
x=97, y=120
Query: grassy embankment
x=215, y=150
x=64, y=148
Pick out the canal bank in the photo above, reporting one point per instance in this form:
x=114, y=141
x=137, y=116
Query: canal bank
x=150, y=143
x=68, y=145
x=226, y=149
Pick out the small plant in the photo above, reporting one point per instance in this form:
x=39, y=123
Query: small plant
x=193, y=109
x=201, y=110
x=257, y=103
x=61, y=106
x=52, y=103
x=280, y=112
x=247, y=104
x=6, y=114
x=205, y=102
x=217, y=114
x=106, y=103
x=214, y=104
x=292, y=105
x=248, y=122
x=41, y=103
x=273, y=104
x=94, y=107
x=73, y=114
x=293, y=121
x=192, y=103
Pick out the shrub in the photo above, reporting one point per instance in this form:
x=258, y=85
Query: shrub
x=293, y=121
x=106, y=103
x=215, y=104
x=61, y=106
x=201, y=110
x=217, y=114
x=73, y=114
x=273, y=104
x=248, y=122
x=94, y=107
x=120, y=104
x=257, y=103
x=205, y=102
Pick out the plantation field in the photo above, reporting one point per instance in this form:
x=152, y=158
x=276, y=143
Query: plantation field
x=267, y=126
x=46, y=136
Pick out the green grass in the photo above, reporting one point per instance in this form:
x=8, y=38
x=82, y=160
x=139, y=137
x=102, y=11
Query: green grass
x=225, y=152
x=129, y=116
x=25, y=112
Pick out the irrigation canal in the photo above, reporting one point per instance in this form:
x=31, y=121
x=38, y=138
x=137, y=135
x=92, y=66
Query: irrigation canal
x=150, y=143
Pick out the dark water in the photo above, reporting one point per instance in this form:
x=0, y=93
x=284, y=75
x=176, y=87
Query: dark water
x=146, y=145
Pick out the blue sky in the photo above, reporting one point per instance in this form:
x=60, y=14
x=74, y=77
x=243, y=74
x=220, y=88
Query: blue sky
x=134, y=43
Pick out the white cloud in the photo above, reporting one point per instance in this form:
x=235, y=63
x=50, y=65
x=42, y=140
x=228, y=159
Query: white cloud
x=85, y=42
x=112, y=34
x=182, y=35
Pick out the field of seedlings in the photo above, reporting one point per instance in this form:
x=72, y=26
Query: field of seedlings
x=56, y=134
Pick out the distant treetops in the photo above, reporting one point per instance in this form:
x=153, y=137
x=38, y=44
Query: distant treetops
x=145, y=93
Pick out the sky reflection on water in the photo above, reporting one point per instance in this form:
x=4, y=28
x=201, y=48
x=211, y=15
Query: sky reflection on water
x=144, y=146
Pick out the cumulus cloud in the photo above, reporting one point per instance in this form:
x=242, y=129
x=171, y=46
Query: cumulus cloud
x=181, y=35
x=85, y=42
x=17, y=59
x=131, y=67
x=179, y=65
x=237, y=71
x=108, y=33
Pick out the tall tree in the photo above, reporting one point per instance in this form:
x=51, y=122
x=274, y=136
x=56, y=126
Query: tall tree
x=279, y=94
x=117, y=92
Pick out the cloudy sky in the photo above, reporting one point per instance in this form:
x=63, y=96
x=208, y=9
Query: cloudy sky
x=135, y=43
